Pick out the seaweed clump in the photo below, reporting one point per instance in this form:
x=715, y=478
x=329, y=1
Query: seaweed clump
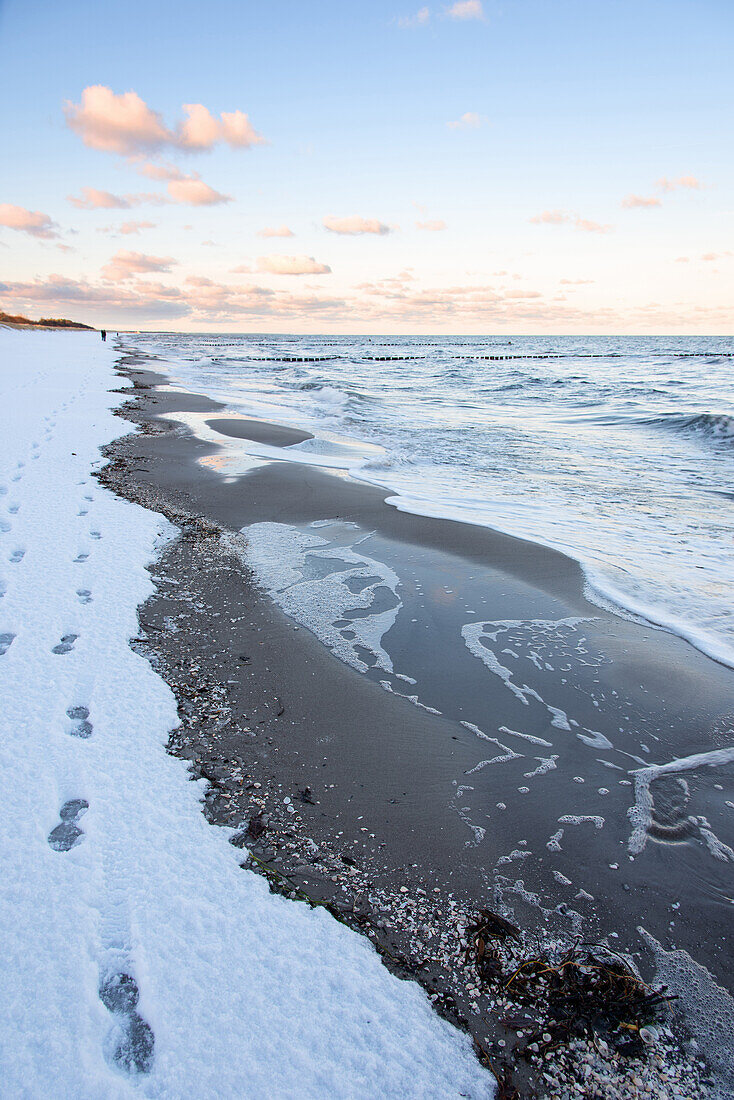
x=585, y=992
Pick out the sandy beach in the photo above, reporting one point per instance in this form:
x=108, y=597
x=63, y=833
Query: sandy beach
x=489, y=788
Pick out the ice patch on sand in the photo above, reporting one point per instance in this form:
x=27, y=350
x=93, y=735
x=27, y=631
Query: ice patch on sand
x=320, y=584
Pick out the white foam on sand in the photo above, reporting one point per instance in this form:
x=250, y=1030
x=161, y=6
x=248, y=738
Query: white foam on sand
x=579, y=819
x=640, y=814
x=286, y=562
x=708, y=1010
x=138, y=958
x=546, y=632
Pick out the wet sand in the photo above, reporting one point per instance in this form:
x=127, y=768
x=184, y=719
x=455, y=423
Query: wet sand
x=565, y=714
x=259, y=431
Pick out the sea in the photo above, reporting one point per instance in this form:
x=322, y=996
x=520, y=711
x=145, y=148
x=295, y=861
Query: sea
x=617, y=450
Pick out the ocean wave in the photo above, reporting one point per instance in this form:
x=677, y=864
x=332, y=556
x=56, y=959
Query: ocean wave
x=718, y=426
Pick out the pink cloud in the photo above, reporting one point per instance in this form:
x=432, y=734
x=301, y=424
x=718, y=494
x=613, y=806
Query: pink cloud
x=124, y=123
x=92, y=199
x=550, y=217
x=630, y=202
x=158, y=171
x=201, y=301
x=354, y=226
x=27, y=221
x=466, y=9
x=202, y=131
x=587, y=226
x=192, y=191
x=198, y=280
x=431, y=227
x=158, y=301
x=124, y=265
x=292, y=265
x=135, y=227
x=682, y=181
x=278, y=231
x=470, y=120
x=562, y=217
x=182, y=188
x=116, y=123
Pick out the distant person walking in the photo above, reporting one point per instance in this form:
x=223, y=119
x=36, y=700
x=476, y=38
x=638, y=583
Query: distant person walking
x=104, y=333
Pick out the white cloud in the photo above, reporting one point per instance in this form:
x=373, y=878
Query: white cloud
x=470, y=120
x=466, y=9
x=421, y=17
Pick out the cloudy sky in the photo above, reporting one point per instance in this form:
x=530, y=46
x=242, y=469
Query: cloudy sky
x=369, y=165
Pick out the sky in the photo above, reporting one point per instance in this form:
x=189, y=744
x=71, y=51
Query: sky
x=369, y=166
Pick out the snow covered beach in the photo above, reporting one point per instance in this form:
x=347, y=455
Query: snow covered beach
x=139, y=958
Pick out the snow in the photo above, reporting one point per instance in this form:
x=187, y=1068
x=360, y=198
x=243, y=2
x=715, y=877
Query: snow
x=138, y=958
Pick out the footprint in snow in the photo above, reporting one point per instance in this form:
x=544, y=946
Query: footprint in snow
x=6, y=640
x=133, y=1040
x=95, y=534
x=17, y=556
x=67, y=833
x=4, y=526
x=13, y=509
x=82, y=512
x=81, y=557
x=80, y=717
x=85, y=596
x=66, y=644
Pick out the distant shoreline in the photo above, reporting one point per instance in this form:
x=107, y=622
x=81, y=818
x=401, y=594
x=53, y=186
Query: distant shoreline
x=18, y=321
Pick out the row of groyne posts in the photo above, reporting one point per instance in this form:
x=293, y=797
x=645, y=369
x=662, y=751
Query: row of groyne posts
x=404, y=358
